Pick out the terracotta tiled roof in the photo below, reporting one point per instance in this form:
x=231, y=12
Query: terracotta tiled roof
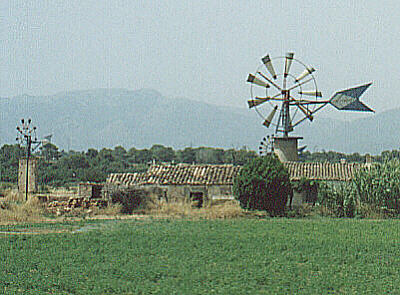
x=180, y=174
x=183, y=174
x=322, y=171
x=127, y=178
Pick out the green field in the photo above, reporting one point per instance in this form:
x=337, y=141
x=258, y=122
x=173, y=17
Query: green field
x=271, y=256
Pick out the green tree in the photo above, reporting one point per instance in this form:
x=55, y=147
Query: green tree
x=205, y=155
x=139, y=156
x=9, y=159
x=50, y=152
x=92, y=153
x=162, y=154
x=188, y=155
x=263, y=184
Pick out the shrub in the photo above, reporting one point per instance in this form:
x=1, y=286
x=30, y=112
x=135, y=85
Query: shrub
x=13, y=211
x=263, y=184
x=130, y=198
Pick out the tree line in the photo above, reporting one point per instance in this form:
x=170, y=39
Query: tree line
x=57, y=168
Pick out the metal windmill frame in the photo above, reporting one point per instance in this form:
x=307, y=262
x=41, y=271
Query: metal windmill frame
x=343, y=100
x=27, y=136
x=289, y=103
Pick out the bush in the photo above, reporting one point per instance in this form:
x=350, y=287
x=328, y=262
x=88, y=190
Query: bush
x=263, y=184
x=130, y=198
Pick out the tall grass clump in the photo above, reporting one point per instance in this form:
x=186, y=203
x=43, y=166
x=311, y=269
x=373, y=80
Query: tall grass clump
x=338, y=199
x=379, y=185
x=14, y=208
x=374, y=191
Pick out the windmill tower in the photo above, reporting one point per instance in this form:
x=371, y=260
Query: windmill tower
x=286, y=99
x=27, y=172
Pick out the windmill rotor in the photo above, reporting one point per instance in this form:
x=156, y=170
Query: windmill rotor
x=279, y=88
x=266, y=145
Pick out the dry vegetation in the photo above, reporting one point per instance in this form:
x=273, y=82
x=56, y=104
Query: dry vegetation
x=225, y=210
x=14, y=209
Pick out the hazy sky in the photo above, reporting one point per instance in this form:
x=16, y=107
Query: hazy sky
x=202, y=50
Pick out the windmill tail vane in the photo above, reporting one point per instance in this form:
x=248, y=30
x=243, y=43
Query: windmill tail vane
x=349, y=99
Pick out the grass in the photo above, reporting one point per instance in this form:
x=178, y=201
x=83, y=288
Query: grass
x=242, y=256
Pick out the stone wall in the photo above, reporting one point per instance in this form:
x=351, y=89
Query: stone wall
x=90, y=190
x=182, y=193
x=60, y=207
x=185, y=193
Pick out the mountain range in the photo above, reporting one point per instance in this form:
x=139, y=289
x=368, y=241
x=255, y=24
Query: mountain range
x=109, y=117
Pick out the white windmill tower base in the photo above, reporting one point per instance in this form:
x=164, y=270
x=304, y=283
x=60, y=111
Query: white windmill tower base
x=286, y=148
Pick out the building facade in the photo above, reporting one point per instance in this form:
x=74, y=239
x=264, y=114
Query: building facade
x=205, y=184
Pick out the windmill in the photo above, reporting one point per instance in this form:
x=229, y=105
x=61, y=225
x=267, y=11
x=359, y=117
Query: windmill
x=284, y=100
x=26, y=136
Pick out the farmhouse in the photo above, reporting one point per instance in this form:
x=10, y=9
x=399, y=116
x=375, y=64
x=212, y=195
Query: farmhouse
x=198, y=183
x=204, y=184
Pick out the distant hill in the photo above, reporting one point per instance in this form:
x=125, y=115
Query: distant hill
x=110, y=117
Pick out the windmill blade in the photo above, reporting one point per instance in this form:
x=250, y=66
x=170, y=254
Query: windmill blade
x=253, y=79
x=311, y=93
x=288, y=62
x=349, y=99
x=305, y=73
x=270, y=81
x=268, y=63
x=257, y=101
x=270, y=117
x=260, y=100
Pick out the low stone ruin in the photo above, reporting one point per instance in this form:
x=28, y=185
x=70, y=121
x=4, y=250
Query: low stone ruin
x=60, y=207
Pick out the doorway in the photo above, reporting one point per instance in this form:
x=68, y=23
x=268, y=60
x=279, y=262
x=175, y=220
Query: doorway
x=196, y=199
